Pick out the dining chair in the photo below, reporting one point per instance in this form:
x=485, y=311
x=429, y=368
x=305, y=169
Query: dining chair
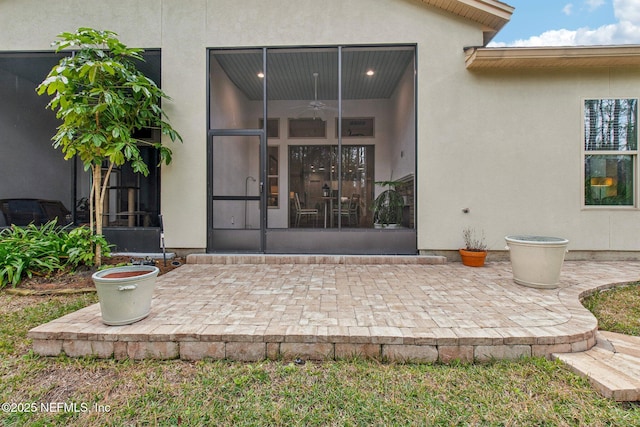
x=350, y=210
x=306, y=212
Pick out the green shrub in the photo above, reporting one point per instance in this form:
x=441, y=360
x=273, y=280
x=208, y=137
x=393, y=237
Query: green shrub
x=79, y=246
x=43, y=250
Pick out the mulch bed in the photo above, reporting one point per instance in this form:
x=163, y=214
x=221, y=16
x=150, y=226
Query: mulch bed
x=68, y=282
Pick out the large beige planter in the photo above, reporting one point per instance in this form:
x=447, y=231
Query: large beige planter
x=536, y=260
x=125, y=293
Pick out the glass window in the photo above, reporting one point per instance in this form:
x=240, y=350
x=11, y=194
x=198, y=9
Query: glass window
x=610, y=151
x=609, y=180
x=273, y=177
x=315, y=183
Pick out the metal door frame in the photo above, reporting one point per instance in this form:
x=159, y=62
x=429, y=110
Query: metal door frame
x=261, y=198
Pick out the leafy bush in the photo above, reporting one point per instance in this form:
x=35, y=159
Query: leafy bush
x=43, y=250
x=79, y=246
x=387, y=208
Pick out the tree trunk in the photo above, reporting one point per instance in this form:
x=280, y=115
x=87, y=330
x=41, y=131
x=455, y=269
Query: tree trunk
x=616, y=125
x=99, y=187
x=96, y=204
x=593, y=126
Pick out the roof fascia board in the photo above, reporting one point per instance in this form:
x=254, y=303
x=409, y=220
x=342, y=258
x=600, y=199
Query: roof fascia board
x=490, y=13
x=552, y=57
x=497, y=8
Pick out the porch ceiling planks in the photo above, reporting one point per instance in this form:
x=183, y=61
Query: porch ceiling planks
x=291, y=72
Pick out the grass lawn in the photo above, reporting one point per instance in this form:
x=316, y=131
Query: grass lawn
x=617, y=309
x=90, y=392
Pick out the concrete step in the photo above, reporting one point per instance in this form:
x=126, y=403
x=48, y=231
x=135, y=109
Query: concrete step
x=621, y=343
x=612, y=366
x=312, y=259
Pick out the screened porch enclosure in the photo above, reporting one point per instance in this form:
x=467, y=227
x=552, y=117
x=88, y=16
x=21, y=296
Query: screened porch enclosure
x=329, y=123
x=34, y=170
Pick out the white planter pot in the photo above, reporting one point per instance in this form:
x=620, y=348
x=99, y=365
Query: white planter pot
x=536, y=260
x=125, y=293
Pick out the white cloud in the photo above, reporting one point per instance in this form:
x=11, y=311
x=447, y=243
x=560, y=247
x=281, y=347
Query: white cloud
x=627, y=10
x=625, y=31
x=594, y=4
x=567, y=9
x=549, y=38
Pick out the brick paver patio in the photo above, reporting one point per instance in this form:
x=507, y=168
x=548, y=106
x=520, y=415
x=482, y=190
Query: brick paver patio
x=315, y=308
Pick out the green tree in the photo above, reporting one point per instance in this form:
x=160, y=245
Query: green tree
x=103, y=99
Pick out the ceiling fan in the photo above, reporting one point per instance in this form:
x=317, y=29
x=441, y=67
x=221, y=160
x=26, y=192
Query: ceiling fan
x=315, y=106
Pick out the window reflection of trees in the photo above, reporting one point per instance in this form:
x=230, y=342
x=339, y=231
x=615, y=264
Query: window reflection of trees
x=311, y=167
x=610, y=124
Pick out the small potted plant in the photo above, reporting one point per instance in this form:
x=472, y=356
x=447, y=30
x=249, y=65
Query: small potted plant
x=387, y=207
x=475, y=250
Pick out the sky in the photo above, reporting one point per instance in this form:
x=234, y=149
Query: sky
x=571, y=23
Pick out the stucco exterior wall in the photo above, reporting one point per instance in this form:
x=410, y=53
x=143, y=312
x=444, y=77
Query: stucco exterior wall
x=505, y=145
x=33, y=24
x=515, y=139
